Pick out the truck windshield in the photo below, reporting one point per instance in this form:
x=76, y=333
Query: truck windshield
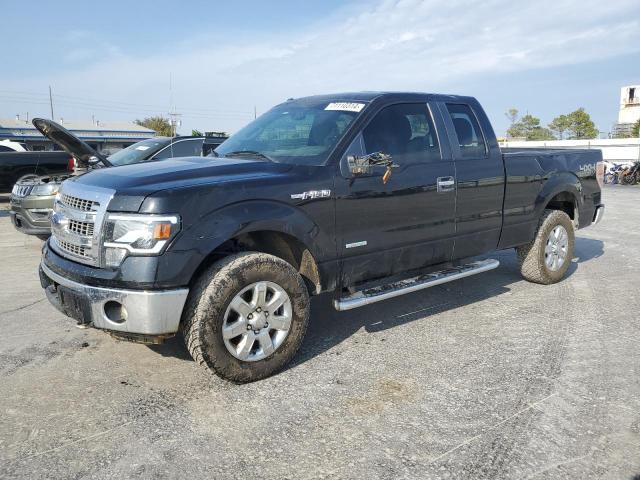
x=297, y=132
x=138, y=152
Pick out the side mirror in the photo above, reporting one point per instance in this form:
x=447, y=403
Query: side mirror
x=359, y=165
x=363, y=165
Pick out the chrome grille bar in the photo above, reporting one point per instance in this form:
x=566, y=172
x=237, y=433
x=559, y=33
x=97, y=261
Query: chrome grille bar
x=78, y=214
x=21, y=190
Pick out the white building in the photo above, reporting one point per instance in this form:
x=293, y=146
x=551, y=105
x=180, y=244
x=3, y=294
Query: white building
x=102, y=136
x=629, y=110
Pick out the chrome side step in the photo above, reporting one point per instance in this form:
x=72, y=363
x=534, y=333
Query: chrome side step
x=377, y=294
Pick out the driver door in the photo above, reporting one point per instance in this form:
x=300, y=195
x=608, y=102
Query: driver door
x=409, y=222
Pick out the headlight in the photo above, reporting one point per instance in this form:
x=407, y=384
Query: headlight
x=137, y=235
x=45, y=189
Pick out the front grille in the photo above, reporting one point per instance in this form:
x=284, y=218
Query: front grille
x=78, y=203
x=20, y=190
x=76, y=250
x=78, y=215
x=84, y=229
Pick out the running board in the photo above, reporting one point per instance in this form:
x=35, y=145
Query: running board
x=377, y=294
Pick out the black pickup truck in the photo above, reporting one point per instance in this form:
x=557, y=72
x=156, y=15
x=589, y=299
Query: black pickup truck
x=367, y=195
x=16, y=166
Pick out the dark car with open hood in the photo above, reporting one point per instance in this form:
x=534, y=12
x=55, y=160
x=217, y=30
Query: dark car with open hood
x=366, y=195
x=33, y=195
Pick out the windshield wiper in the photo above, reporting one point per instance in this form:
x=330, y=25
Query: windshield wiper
x=247, y=153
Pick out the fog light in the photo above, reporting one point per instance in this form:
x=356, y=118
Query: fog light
x=115, y=311
x=113, y=257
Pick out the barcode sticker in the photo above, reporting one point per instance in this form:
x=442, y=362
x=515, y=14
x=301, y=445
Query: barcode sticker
x=345, y=106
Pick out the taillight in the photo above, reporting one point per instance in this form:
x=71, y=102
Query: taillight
x=71, y=164
x=600, y=173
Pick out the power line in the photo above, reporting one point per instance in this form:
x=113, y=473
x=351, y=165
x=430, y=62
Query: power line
x=130, y=110
x=102, y=102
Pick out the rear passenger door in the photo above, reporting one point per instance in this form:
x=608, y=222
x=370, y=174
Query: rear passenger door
x=479, y=179
x=409, y=221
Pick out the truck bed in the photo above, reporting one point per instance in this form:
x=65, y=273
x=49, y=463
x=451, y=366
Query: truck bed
x=531, y=176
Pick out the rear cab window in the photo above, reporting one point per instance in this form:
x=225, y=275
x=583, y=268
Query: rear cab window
x=181, y=148
x=467, y=131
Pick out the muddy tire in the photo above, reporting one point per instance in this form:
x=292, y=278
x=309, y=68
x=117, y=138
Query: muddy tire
x=547, y=258
x=231, y=324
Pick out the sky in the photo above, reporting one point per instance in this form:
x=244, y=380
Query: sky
x=218, y=62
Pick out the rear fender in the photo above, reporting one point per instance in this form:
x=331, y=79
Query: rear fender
x=559, y=183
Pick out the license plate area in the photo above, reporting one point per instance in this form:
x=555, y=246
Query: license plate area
x=74, y=304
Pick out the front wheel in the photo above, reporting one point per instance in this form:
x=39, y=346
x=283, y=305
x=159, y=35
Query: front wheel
x=547, y=258
x=246, y=316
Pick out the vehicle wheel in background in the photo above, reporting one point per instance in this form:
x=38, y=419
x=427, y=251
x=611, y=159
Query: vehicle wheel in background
x=246, y=316
x=547, y=258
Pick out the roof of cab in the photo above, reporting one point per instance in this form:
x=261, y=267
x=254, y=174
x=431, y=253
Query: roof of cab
x=374, y=95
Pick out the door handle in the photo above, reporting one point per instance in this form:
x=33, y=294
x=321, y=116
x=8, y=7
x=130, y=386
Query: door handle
x=446, y=184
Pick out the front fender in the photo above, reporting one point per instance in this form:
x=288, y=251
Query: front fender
x=199, y=240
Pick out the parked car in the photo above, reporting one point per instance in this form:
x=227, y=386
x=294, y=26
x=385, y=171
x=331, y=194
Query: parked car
x=32, y=197
x=12, y=146
x=366, y=195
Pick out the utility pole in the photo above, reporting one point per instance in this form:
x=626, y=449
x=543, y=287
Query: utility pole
x=255, y=112
x=51, y=102
x=173, y=119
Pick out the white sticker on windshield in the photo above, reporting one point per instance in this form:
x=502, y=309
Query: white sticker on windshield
x=142, y=147
x=345, y=106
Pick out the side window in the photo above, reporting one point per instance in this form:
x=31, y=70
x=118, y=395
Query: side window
x=404, y=131
x=183, y=148
x=5, y=149
x=470, y=139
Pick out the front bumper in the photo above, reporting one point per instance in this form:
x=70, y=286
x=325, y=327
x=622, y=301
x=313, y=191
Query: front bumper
x=598, y=214
x=135, y=312
x=31, y=215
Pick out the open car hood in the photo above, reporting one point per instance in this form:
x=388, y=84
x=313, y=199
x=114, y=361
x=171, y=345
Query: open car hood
x=83, y=153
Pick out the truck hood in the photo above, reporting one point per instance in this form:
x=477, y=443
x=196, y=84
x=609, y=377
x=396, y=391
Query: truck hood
x=133, y=183
x=71, y=144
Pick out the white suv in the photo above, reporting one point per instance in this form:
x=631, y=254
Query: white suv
x=11, y=146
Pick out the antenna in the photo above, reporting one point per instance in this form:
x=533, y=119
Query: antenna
x=51, y=102
x=173, y=115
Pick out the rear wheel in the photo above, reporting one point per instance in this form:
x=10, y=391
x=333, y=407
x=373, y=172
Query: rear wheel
x=547, y=258
x=246, y=316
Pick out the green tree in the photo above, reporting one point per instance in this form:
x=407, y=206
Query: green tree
x=560, y=125
x=196, y=133
x=635, y=130
x=581, y=127
x=161, y=125
x=528, y=127
x=512, y=115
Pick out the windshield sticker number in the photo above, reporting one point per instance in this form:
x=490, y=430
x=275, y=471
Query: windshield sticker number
x=142, y=147
x=345, y=106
